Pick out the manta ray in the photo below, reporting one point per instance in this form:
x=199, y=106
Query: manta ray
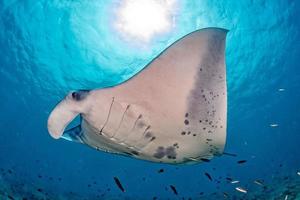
x=173, y=111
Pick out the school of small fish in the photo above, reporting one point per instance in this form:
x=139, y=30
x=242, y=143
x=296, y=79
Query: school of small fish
x=119, y=185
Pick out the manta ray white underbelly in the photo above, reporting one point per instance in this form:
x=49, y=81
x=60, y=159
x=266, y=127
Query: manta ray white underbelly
x=173, y=111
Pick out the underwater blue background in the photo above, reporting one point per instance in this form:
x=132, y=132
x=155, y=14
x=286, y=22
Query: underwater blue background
x=49, y=47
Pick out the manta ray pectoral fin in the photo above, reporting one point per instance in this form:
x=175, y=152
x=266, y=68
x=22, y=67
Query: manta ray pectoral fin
x=62, y=115
x=185, y=92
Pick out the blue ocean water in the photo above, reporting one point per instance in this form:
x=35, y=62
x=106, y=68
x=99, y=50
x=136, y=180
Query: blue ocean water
x=51, y=47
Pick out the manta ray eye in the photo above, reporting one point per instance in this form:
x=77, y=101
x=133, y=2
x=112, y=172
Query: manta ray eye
x=80, y=95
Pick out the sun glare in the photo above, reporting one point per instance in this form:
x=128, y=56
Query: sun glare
x=141, y=19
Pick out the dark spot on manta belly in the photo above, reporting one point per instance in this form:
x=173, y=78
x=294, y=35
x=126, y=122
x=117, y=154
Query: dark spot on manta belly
x=186, y=122
x=141, y=124
x=169, y=152
x=148, y=134
x=160, y=152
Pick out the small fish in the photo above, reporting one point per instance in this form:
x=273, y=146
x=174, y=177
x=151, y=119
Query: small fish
x=241, y=189
x=160, y=171
x=225, y=195
x=10, y=197
x=208, y=176
x=281, y=89
x=117, y=181
x=274, y=125
x=234, y=182
x=286, y=197
x=174, y=189
x=229, y=179
x=258, y=182
x=241, y=161
x=298, y=173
